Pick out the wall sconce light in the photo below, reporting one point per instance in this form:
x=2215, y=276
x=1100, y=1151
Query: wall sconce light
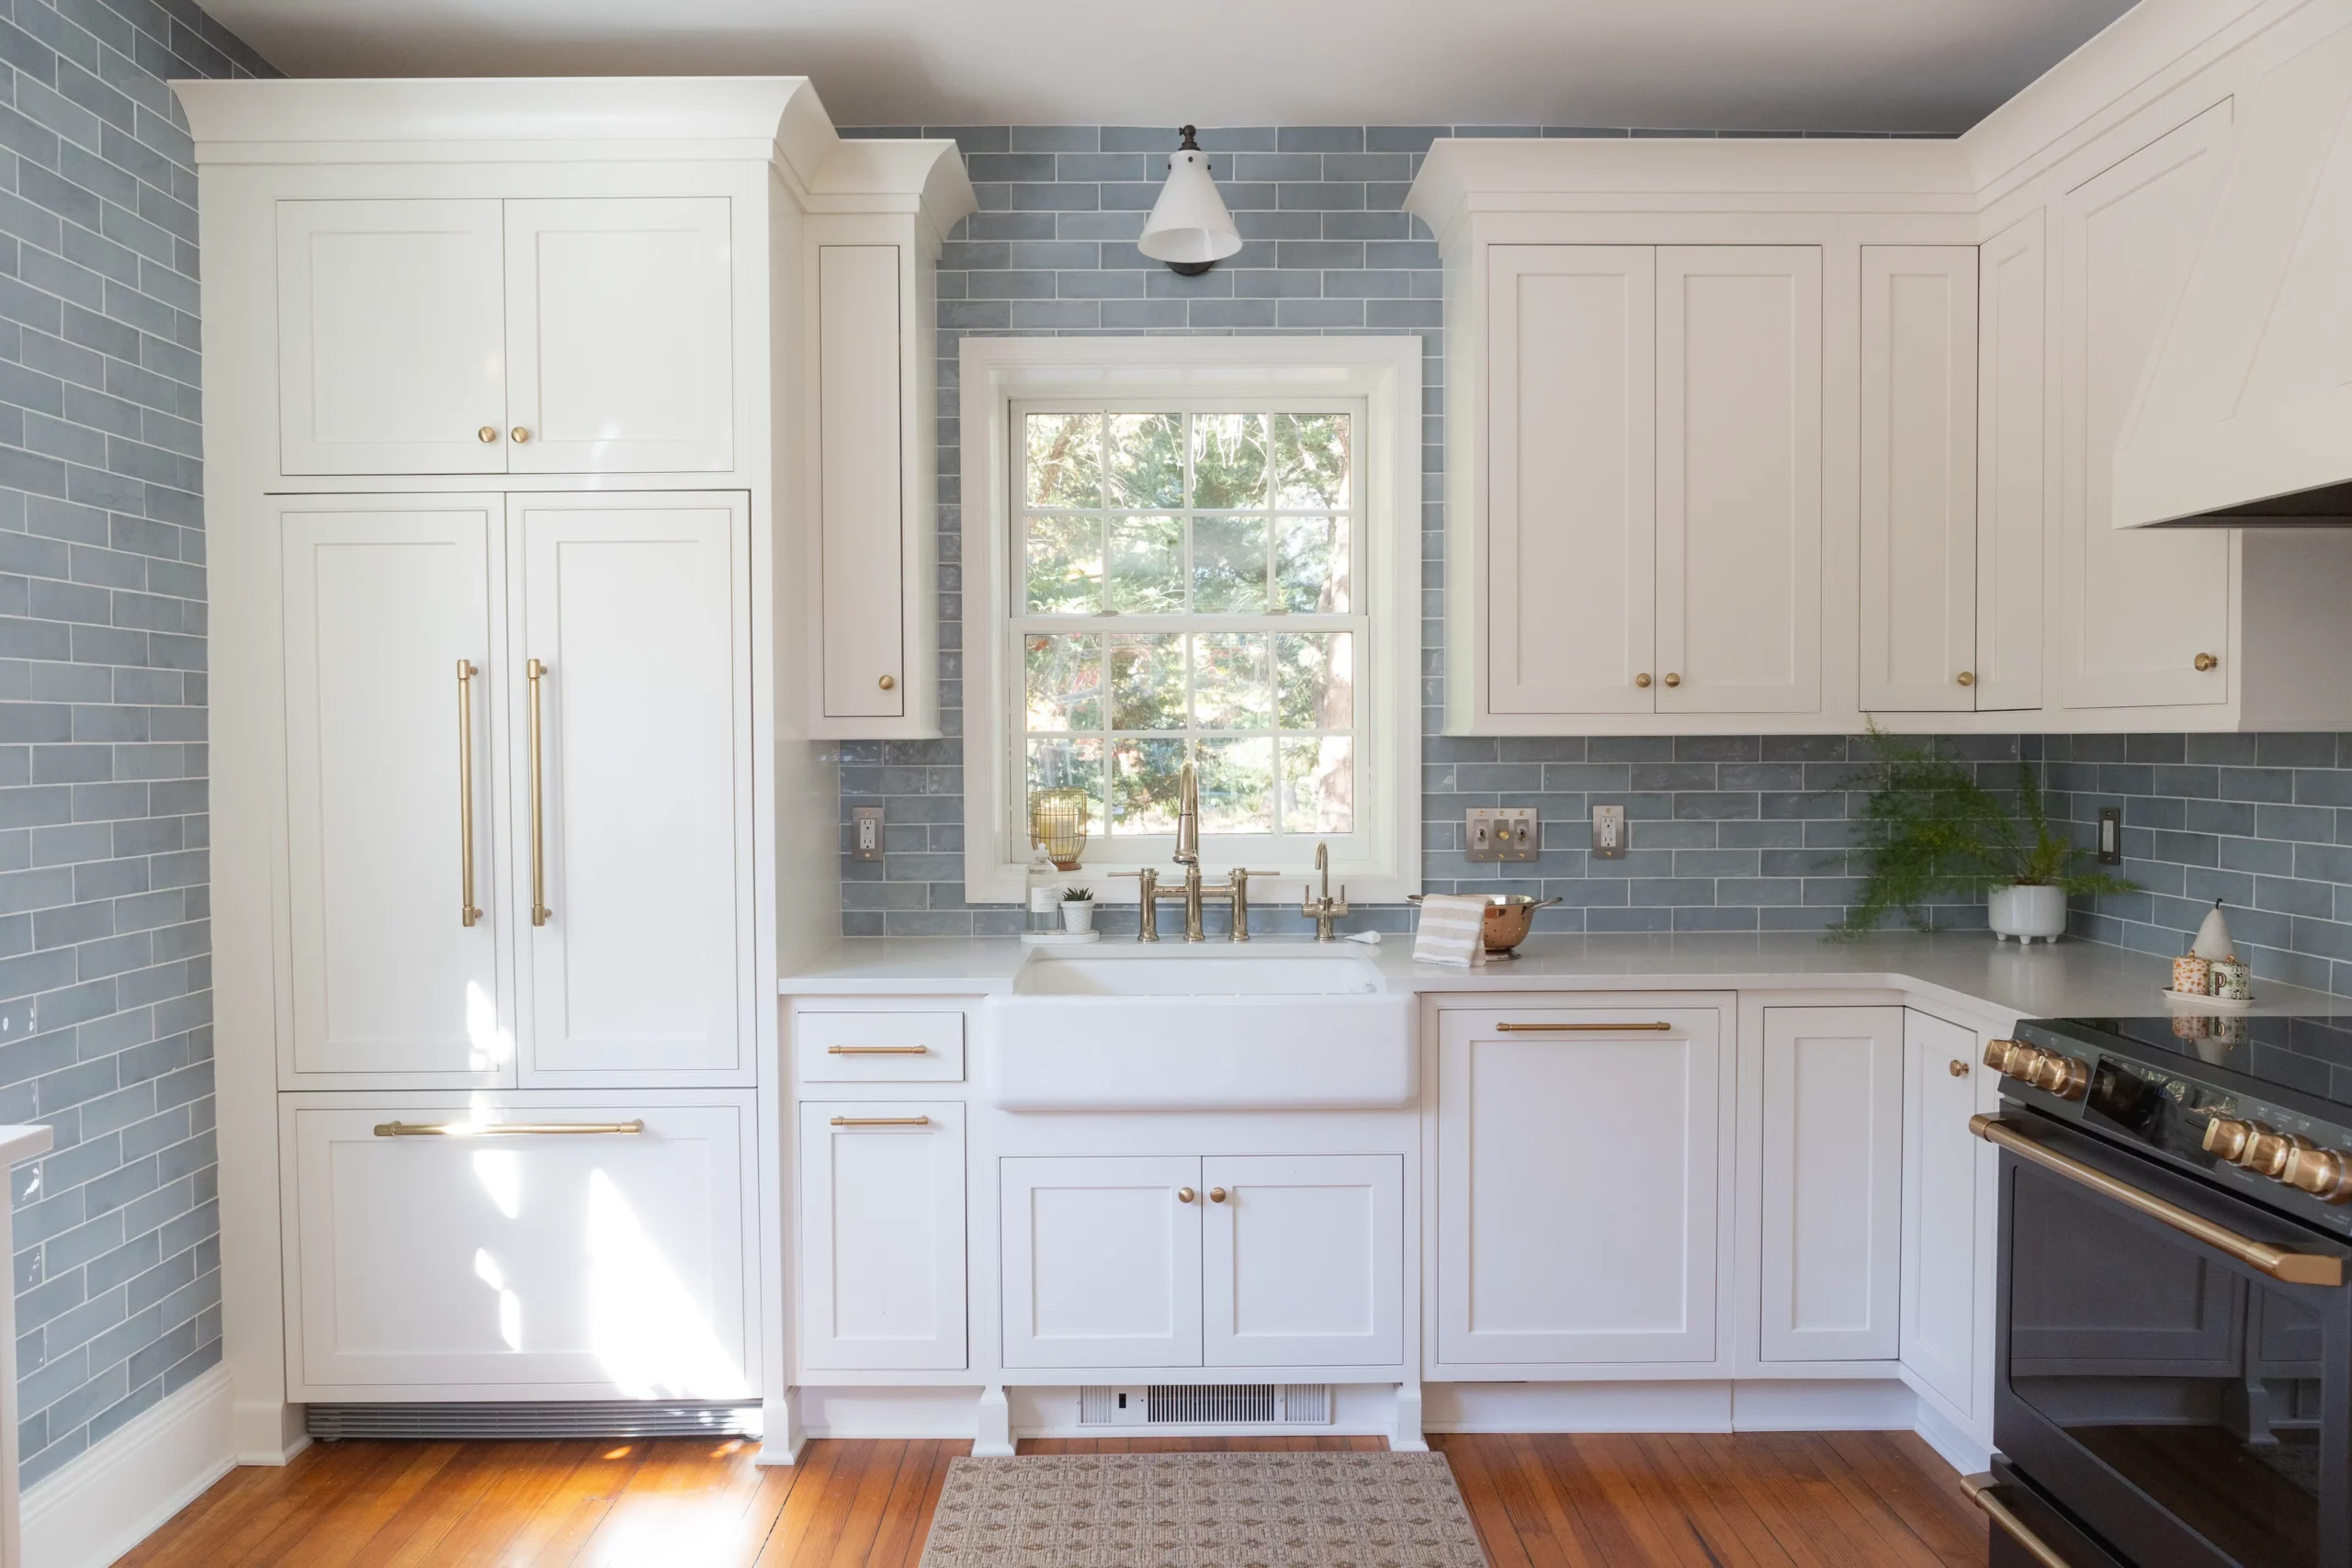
x=1189, y=228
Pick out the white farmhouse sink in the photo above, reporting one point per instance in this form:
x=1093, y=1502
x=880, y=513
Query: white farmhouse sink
x=1180, y=1028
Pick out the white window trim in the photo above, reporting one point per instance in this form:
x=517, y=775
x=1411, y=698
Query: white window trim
x=1385, y=372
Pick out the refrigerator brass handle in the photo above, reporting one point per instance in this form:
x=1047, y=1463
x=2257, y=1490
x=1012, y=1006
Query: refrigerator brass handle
x=881, y=1120
x=1583, y=1027
x=505, y=1129
x=877, y=1050
x=2279, y=1262
x=468, y=912
x=536, y=671
x=1980, y=1491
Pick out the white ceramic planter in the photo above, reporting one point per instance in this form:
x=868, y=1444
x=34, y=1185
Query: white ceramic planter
x=2028, y=914
x=1078, y=916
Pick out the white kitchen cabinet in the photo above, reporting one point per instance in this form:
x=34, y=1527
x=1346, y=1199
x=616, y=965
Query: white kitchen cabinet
x=863, y=649
x=390, y=337
x=1577, y=1205
x=2012, y=464
x=1102, y=1261
x=881, y=1203
x=1739, y=479
x=630, y=750
x=538, y=1262
x=1918, y=470
x=1831, y=1193
x=390, y=761
x=1303, y=1260
x=1946, y=1211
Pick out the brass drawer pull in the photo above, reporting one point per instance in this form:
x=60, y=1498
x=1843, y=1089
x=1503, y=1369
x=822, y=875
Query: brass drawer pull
x=877, y=1050
x=537, y=672
x=881, y=1120
x=1980, y=1491
x=2279, y=1262
x=505, y=1129
x=468, y=911
x=1583, y=1027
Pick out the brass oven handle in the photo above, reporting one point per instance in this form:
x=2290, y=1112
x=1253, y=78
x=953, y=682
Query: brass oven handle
x=1980, y=1491
x=2279, y=1262
x=877, y=1050
x=468, y=912
x=536, y=671
x=881, y=1120
x=1582, y=1027
x=504, y=1129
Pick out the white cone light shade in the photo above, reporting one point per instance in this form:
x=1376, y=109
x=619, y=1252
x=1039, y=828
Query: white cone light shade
x=1189, y=225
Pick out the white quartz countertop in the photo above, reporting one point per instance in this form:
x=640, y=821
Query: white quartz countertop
x=2077, y=979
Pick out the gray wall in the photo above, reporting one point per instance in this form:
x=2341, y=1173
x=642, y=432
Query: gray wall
x=105, y=1004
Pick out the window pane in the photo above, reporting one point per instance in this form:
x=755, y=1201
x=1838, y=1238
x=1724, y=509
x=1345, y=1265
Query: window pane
x=1065, y=459
x=1147, y=459
x=1314, y=680
x=1148, y=682
x=1228, y=460
x=1066, y=564
x=1311, y=565
x=1056, y=764
x=1229, y=566
x=1064, y=678
x=1310, y=461
x=1318, y=784
x=1143, y=785
x=1238, y=785
x=1147, y=566
x=1229, y=686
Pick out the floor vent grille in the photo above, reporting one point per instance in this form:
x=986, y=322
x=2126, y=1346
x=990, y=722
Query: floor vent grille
x=535, y=1418
x=1206, y=1404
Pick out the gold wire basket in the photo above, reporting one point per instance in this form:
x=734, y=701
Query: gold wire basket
x=1058, y=823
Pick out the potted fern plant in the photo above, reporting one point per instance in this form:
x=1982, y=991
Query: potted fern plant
x=1928, y=827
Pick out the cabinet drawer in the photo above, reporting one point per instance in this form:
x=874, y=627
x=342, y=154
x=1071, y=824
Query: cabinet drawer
x=541, y=1262
x=879, y=1047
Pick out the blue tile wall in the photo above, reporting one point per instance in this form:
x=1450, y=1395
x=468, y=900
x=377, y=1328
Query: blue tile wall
x=105, y=1004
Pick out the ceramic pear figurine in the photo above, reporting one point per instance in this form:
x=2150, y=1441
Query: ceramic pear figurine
x=2213, y=937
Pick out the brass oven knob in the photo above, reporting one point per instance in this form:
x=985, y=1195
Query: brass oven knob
x=2226, y=1139
x=2267, y=1153
x=2011, y=1058
x=2062, y=1076
x=2325, y=1174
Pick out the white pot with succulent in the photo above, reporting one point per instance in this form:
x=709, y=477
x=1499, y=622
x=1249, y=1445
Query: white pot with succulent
x=1078, y=909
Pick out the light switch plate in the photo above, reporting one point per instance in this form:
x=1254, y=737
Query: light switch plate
x=2111, y=835
x=865, y=832
x=1609, y=832
x=1507, y=834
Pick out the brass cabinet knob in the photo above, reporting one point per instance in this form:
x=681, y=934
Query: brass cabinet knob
x=1183, y=1194
x=1968, y=677
x=889, y=683
x=1958, y=1069
x=1216, y=1194
x=1672, y=678
x=1642, y=680
x=489, y=433
x=520, y=434
x=2206, y=662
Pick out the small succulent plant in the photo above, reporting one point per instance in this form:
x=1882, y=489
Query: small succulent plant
x=1077, y=896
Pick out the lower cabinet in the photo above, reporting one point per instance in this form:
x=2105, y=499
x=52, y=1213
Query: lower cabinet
x=1946, y=1206
x=565, y=1243
x=1579, y=1184
x=1170, y=1260
x=881, y=1196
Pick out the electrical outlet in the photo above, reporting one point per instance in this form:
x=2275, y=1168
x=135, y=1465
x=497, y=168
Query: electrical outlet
x=2111, y=835
x=1609, y=832
x=865, y=832
x=1510, y=834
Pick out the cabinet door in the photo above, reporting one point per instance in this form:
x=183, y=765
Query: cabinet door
x=1739, y=479
x=861, y=493
x=882, y=1236
x=2012, y=466
x=1919, y=516
x=383, y=602
x=1303, y=1261
x=1942, y=1198
x=1577, y=1185
x=1833, y=1182
x=2143, y=603
x=596, y=1266
x=390, y=347
x=634, y=820
x=620, y=330
x=1572, y=510
x=1102, y=1261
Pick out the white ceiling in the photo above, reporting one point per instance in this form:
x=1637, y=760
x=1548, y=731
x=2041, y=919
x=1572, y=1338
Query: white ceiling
x=1917, y=65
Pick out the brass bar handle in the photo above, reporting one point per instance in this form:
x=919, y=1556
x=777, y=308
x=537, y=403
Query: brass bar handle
x=468, y=911
x=881, y=1120
x=1583, y=1027
x=2279, y=1262
x=505, y=1129
x=1980, y=1491
x=536, y=671
x=877, y=1050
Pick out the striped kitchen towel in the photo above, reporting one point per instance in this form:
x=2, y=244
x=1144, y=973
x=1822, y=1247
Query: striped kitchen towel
x=1452, y=931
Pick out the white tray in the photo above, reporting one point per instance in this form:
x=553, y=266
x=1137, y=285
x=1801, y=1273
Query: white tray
x=1058, y=939
x=2184, y=1001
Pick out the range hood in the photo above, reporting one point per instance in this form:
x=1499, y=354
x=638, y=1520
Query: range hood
x=2245, y=417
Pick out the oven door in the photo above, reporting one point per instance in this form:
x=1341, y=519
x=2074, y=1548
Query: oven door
x=2158, y=1377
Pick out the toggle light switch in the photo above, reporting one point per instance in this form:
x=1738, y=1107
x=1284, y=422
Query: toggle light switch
x=1509, y=834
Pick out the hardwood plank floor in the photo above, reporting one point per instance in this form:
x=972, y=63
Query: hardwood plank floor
x=1755, y=1500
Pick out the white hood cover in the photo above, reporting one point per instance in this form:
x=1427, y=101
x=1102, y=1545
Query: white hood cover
x=2246, y=416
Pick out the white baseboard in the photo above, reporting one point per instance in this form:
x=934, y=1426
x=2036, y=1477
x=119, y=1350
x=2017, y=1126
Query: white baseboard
x=1698, y=1405
x=1952, y=1445
x=106, y=1501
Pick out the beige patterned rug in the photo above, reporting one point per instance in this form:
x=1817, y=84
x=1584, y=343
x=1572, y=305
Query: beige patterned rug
x=1215, y=1510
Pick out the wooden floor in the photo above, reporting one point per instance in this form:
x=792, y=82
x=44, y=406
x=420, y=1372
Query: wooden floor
x=1832, y=1500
